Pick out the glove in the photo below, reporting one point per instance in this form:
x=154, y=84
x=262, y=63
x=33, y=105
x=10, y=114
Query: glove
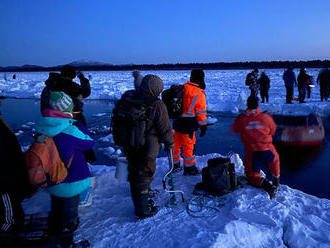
x=79, y=74
x=203, y=130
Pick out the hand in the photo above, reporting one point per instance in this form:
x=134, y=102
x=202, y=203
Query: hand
x=203, y=130
x=79, y=74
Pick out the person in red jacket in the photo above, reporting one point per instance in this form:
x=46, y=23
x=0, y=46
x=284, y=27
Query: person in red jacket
x=256, y=131
x=192, y=118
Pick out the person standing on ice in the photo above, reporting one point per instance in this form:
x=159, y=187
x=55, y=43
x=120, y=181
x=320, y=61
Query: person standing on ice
x=324, y=80
x=72, y=139
x=264, y=83
x=192, y=118
x=290, y=81
x=64, y=82
x=252, y=81
x=142, y=158
x=304, y=80
x=14, y=186
x=256, y=131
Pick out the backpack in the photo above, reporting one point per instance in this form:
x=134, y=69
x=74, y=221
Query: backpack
x=173, y=99
x=218, y=178
x=44, y=164
x=129, y=122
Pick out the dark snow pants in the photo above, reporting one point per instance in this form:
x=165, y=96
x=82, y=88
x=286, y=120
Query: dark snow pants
x=63, y=219
x=141, y=170
x=264, y=95
x=289, y=94
x=11, y=220
x=302, y=93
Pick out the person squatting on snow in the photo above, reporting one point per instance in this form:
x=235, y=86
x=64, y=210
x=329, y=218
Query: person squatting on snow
x=324, y=80
x=264, y=83
x=304, y=80
x=256, y=131
x=252, y=81
x=14, y=186
x=290, y=81
x=192, y=118
x=72, y=139
x=142, y=160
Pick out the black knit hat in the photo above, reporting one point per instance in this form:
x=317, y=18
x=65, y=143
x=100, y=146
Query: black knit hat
x=252, y=102
x=197, y=76
x=68, y=71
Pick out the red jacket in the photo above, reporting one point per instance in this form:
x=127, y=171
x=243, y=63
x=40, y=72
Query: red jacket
x=256, y=130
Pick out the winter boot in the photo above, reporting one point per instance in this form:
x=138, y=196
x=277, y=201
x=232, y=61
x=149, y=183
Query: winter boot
x=144, y=207
x=190, y=171
x=176, y=167
x=269, y=188
x=276, y=181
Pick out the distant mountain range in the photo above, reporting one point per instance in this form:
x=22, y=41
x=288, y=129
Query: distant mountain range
x=100, y=66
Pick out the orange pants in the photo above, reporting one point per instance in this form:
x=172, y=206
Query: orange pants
x=254, y=177
x=187, y=144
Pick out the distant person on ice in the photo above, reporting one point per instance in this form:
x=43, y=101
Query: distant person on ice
x=256, y=131
x=264, y=83
x=14, y=186
x=304, y=80
x=290, y=81
x=72, y=139
x=252, y=81
x=324, y=80
x=142, y=143
x=192, y=119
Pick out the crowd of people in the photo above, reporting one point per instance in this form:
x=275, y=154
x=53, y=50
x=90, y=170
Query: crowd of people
x=62, y=119
x=304, y=82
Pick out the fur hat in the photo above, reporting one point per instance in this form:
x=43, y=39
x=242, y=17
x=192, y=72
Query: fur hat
x=252, y=102
x=60, y=101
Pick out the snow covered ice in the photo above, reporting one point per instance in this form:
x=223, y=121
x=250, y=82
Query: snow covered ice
x=226, y=90
x=246, y=218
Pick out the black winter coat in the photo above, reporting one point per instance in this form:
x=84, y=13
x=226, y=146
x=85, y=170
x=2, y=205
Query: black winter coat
x=56, y=82
x=13, y=177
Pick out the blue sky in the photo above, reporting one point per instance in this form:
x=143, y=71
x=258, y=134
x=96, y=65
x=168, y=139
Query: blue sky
x=52, y=32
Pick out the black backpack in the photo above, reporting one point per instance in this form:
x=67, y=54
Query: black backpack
x=219, y=177
x=129, y=122
x=173, y=99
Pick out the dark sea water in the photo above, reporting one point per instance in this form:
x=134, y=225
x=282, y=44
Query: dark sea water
x=304, y=169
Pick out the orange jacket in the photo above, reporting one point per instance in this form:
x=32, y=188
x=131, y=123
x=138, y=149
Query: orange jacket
x=256, y=130
x=194, y=102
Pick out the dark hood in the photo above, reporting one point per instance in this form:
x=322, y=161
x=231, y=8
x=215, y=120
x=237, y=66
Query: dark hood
x=151, y=86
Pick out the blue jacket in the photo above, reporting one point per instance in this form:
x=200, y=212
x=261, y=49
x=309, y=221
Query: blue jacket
x=71, y=139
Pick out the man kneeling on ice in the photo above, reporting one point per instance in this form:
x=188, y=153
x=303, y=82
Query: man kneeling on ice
x=256, y=131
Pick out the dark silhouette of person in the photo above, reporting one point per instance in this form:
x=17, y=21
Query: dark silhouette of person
x=290, y=81
x=264, y=83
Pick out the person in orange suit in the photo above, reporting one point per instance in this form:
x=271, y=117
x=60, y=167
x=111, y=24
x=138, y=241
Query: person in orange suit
x=256, y=131
x=192, y=119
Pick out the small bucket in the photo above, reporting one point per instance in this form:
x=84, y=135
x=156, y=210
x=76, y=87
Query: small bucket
x=121, y=169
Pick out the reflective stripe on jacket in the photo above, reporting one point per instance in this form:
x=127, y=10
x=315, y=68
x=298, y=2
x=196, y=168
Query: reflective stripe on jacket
x=194, y=102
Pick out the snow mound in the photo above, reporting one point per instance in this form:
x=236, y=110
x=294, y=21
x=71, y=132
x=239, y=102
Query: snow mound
x=246, y=218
